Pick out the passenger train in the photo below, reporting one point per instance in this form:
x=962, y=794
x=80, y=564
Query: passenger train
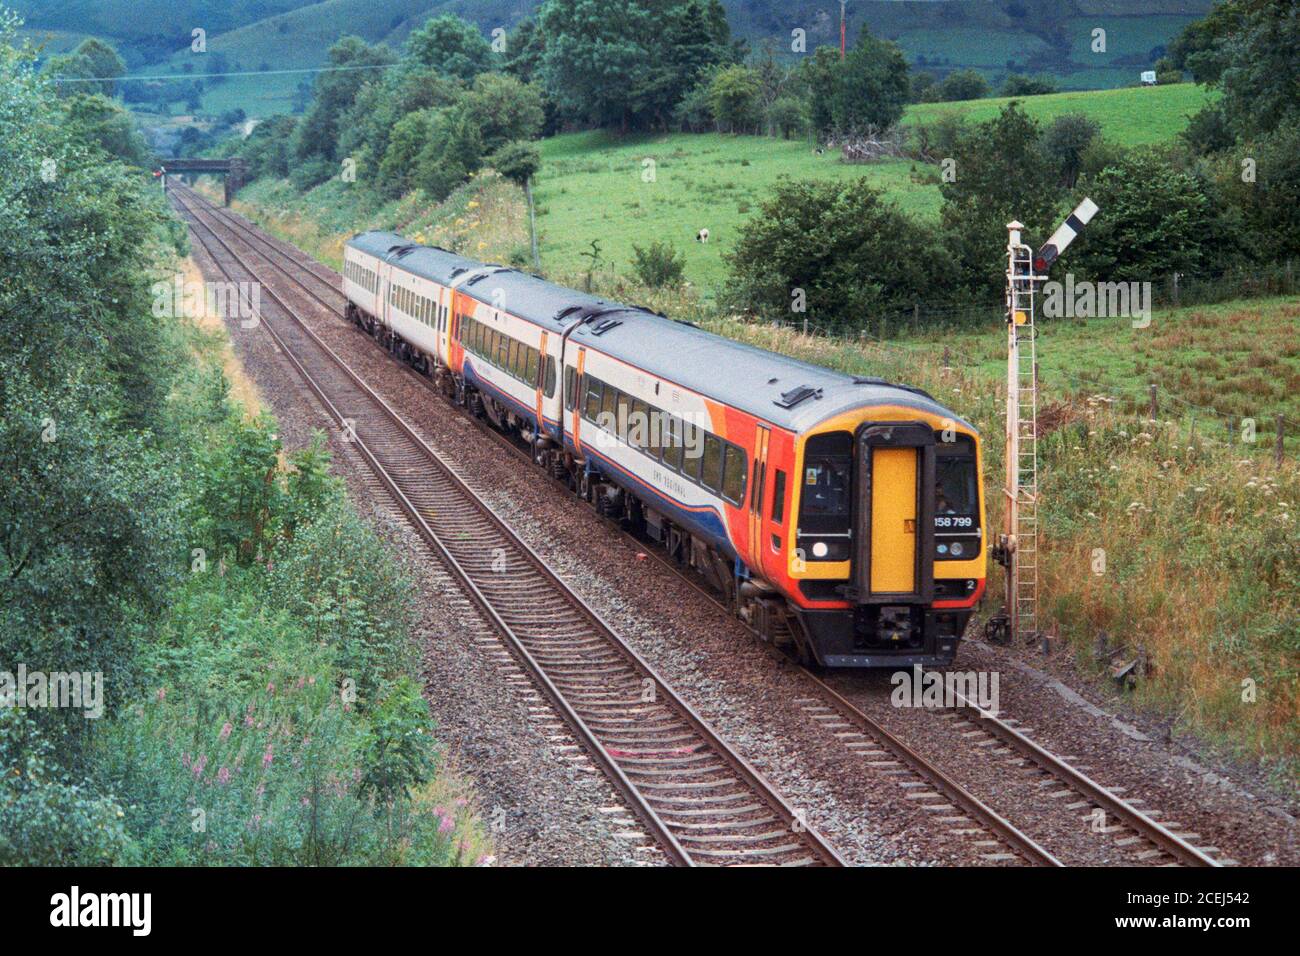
x=840, y=516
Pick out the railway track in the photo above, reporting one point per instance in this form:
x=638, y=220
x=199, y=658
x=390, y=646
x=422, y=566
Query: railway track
x=701, y=800
x=940, y=795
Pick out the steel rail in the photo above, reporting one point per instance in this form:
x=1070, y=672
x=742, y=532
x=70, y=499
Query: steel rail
x=1133, y=818
x=821, y=851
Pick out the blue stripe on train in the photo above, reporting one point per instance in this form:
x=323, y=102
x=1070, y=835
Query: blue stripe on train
x=551, y=425
x=704, y=520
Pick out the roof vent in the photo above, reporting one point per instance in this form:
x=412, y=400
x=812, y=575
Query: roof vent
x=796, y=395
x=604, y=325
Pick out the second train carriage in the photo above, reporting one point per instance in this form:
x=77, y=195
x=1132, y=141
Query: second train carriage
x=841, y=515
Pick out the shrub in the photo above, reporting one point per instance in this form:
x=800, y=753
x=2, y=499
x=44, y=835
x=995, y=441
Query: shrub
x=838, y=249
x=46, y=819
x=659, y=265
x=1065, y=142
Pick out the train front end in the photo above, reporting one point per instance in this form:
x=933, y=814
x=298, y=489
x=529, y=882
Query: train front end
x=890, y=552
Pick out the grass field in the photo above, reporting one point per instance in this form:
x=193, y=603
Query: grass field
x=1133, y=116
x=593, y=185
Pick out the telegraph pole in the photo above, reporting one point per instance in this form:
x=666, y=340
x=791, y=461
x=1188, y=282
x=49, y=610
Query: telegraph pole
x=844, y=30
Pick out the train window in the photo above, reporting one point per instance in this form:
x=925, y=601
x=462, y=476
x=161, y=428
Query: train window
x=570, y=383
x=609, y=408
x=592, y=408
x=655, y=432
x=638, y=425
x=693, y=453
x=530, y=373
x=624, y=413
x=673, y=444
x=550, y=376
x=824, y=502
x=503, y=350
x=733, y=475
x=955, y=481
x=514, y=358
x=711, y=477
x=778, y=497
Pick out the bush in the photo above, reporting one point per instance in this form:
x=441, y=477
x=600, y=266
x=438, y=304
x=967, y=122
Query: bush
x=1158, y=220
x=1017, y=85
x=45, y=818
x=659, y=265
x=517, y=162
x=837, y=249
x=961, y=85
x=309, y=173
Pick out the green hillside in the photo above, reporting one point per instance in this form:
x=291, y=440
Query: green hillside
x=1132, y=116
x=1043, y=36
x=591, y=185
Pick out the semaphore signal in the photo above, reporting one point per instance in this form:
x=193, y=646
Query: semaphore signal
x=1017, y=549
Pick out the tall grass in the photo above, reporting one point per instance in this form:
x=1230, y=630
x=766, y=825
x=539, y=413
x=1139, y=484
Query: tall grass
x=1173, y=544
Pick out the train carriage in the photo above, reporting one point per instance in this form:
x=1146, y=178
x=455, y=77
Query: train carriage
x=842, y=516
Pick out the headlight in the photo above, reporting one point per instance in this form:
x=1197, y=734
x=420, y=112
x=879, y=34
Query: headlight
x=957, y=549
x=820, y=550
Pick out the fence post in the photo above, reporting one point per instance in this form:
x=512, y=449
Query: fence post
x=916, y=317
x=1175, y=289
x=1277, y=442
x=946, y=360
x=1155, y=404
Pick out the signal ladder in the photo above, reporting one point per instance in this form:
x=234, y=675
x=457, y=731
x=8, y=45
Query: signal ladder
x=1022, y=442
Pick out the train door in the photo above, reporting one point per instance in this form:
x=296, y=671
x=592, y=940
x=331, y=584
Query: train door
x=893, y=553
x=580, y=399
x=762, y=440
x=541, y=384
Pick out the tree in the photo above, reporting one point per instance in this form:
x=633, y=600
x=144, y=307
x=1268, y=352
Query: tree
x=1247, y=49
x=517, y=162
x=962, y=85
x=734, y=99
x=787, y=117
x=1269, y=202
x=595, y=56
x=1001, y=173
x=451, y=46
x=453, y=153
x=397, y=170
x=506, y=109
x=1156, y=220
x=524, y=48
x=628, y=63
x=840, y=249
x=872, y=86
x=335, y=91
x=1017, y=85
x=96, y=119
x=266, y=149
x=1065, y=142
x=93, y=61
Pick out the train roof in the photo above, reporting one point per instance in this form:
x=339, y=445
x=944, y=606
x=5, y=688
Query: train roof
x=433, y=263
x=776, y=388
